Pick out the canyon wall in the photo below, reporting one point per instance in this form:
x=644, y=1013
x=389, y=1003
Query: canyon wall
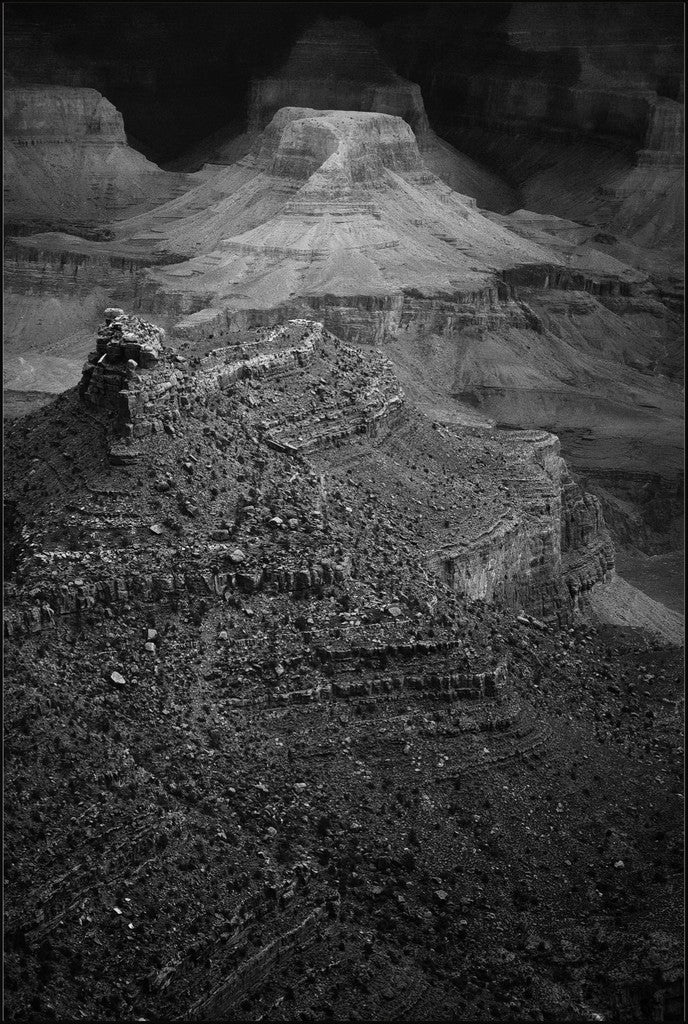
x=538, y=544
x=594, y=69
x=336, y=66
x=35, y=115
x=578, y=107
x=67, y=160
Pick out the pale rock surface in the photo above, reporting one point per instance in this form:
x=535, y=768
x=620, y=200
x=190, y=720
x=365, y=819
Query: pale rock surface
x=618, y=603
x=66, y=159
x=335, y=65
x=329, y=202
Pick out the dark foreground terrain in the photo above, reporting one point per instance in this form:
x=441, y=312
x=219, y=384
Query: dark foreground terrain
x=162, y=843
x=266, y=760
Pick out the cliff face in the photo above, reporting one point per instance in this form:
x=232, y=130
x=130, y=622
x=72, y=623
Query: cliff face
x=336, y=66
x=503, y=521
x=66, y=160
x=595, y=69
x=35, y=115
x=587, y=550
x=665, y=137
x=341, y=148
x=566, y=102
x=549, y=555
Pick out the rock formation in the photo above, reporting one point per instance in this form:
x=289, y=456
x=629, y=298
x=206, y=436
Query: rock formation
x=335, y=65
x=67, y=162
x=580, y=109
x=322, y=187
x=267, y=584
x=276, y=204
x=335, y=215
x=372, y=243
x=537, y=544
x=326, y=694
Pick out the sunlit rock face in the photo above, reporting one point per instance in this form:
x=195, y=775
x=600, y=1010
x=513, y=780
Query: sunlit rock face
x=67, y=161
x=336, y=65
x=350, y=146
x=39, y=114
x=328, y=203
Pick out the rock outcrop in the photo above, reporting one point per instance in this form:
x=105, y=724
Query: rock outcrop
x=67, y=161
x=580, y=109
x=336, y=65
x=538, y=543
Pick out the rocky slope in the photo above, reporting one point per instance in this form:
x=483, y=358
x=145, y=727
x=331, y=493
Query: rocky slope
x=291, y=724
x=335, y=65
x=536, y=543
x=277, y=204
x=67, y=162
x=335, y=215
x=579, y=107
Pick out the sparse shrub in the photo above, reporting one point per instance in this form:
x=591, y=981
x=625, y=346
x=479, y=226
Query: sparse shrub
x=323, y=826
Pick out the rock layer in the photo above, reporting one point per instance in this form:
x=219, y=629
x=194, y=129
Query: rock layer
x=581, y=109
x=537, y=544
x=335, y=65
x=67, y=161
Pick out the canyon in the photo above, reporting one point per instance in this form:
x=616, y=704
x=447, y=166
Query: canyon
x=337, y=216
x=343, y=516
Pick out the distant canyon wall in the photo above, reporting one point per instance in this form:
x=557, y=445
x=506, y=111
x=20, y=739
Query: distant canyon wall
x=35, y=115
x=594, y=69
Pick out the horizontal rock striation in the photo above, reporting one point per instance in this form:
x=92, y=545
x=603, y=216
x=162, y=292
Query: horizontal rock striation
x=334, y=216
x=336, y=66
x=544, y=559
x=665, y=138
x=67, y=162
x=342, y=147
x=587, y=549
x=550, y=66
x=566, y=107
x=36, y=115
x=142, y=404
x=542, y=548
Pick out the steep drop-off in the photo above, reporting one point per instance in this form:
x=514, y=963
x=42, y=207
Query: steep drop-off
x=579, y=107
x=335, y=65
x=67, y=162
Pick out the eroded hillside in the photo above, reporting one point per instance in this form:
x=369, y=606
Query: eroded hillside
x=272, y=657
